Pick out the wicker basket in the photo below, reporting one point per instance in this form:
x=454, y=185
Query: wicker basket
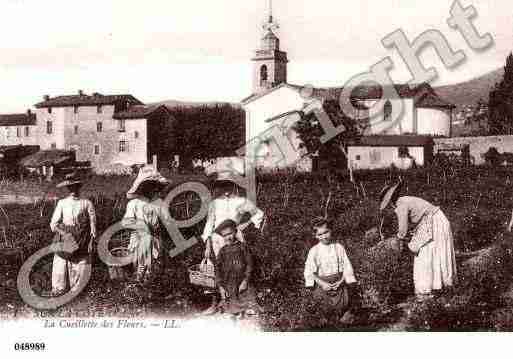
x=203, y=278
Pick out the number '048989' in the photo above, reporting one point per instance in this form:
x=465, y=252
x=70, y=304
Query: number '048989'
x=29, y=346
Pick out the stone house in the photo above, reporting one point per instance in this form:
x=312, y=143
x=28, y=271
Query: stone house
x=18, y=129
x=106, y=130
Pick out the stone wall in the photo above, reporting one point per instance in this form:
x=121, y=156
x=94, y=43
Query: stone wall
x=478, y=145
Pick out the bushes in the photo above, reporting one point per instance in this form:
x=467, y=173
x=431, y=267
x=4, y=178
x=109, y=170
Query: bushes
x=476, y=201
x=493, y=157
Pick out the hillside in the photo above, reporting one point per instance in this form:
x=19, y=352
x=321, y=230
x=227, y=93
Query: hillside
x=175, y=103
x=461, y=94
x=469, y=92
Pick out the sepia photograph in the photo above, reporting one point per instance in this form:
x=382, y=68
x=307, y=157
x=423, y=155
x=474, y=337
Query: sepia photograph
x=254, y=166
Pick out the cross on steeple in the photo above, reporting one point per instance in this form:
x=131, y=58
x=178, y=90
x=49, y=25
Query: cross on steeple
x=270, y=25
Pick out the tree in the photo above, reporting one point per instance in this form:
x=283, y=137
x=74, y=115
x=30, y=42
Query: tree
x=207, y=132
x=334, y=152
x=501, y=102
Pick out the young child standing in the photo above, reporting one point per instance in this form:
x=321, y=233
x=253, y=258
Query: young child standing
x=234, y=267
x=328, y=271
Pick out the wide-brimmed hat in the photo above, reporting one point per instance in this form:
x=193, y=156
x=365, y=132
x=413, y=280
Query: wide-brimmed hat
x=388, y=193
x=146, y=174
x=227, y=223
x=70, y=180
x=224, y=177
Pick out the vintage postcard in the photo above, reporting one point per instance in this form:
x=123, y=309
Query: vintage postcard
x=187, y=172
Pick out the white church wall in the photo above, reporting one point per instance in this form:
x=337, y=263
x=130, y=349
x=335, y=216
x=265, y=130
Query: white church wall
x=278, y=102
x=404, y=124
x=433, y=122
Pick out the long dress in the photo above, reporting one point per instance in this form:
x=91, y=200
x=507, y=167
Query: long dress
x=144, y=242
x=434, y=265
x=76, y=216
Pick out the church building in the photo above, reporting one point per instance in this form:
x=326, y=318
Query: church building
x=276, y=101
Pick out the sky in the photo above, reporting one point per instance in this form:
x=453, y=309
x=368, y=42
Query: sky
x=199, y=50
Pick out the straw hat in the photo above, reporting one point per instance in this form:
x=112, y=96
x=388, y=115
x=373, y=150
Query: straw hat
x=69, y=180
x=227, y=223
x=388, y=193
x=146, y=174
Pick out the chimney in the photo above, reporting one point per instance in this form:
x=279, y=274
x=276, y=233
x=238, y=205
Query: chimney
x=80, y=93
x=46, y=97
x=29, y=112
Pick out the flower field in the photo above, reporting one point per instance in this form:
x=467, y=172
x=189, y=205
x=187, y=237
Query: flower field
x=476, y=200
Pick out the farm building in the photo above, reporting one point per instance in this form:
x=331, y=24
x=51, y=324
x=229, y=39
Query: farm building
x=424, y=113
x=107, y=130
x=18, y=129
x=376, y=152
x=49, y=163
x=10, y=157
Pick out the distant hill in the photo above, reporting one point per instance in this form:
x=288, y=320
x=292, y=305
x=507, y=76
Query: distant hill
x=462, y=94
x=469, y=92
x=175, y=103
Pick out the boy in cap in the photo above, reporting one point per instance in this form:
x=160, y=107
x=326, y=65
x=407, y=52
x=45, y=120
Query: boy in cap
x=233, y=267
x=74, y=219
x=227, y=206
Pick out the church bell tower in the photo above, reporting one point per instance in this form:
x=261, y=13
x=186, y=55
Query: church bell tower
x=269, y=63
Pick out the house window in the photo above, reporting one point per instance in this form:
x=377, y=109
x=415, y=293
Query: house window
x=99, y=127
x=7, y=132
x=122, y=126
x=358, y=157
x=99, y=109
x=49, y=127
x=27, y=131
x=75, y=109
x=18, y=132
x=136, y=134
x=53, y=146
x=375, y=157
x=96, y=149
x=387, y=111
x=74, y=148
x=49, y=110
x=123, y=146
x=75, y=130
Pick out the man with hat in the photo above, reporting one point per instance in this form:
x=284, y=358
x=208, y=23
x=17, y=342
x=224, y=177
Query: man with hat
x=432, y=242
x=227, y=206
x=73, y=219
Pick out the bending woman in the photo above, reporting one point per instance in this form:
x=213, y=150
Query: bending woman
x=432, y=242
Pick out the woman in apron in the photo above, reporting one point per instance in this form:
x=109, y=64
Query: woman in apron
x=432, y=242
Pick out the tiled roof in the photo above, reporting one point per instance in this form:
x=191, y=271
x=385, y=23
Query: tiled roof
x=135, y=112
x=47, y=157
x=393, y=140
x=18, y=119
x=363, y=93
x=87, y=100
x=432, y=100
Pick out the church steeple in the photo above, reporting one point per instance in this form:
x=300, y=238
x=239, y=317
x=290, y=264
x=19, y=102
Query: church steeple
x=270, y=63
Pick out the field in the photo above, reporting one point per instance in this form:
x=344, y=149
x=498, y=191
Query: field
x=477, y=201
